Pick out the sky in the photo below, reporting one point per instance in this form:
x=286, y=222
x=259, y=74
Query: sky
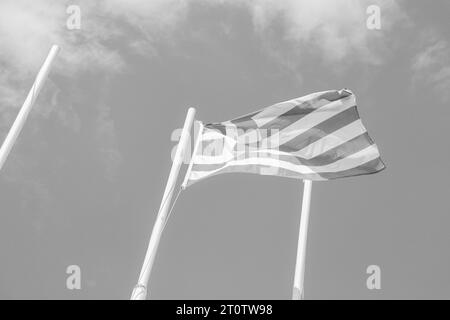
x=83, y=183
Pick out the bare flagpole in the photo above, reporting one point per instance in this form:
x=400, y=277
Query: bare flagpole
x=298, y=290
x=140, y=290
x=18, y=124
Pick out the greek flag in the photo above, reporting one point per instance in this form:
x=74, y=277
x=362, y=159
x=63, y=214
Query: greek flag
x=316, y=137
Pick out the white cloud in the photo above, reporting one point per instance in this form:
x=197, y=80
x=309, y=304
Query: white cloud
x=431, y=66
x=27, y=31
x=336, y=29
x=29, y=27
x=110, y=157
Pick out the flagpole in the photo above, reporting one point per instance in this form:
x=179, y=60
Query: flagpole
x=194, y=152
x=18, y=124
x=298, y=290
x=140, y=290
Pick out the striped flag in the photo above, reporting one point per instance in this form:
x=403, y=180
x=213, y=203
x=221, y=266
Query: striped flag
x=316, y=137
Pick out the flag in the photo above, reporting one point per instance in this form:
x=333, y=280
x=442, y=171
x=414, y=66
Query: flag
x=316, y=137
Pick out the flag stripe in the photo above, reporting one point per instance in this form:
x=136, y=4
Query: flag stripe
x=245, y=122
x=279, y=117
x=311, y=120
x=257, y=169
x=207, y=166
x=217, y=127
x=321, y=130
x=369, y=167
x=349, y=162
x=293, y=115
x=296, y=110
x=332, y=140
x=275, y=111
x=339, y=152
x=372, y=166
x=333, y=95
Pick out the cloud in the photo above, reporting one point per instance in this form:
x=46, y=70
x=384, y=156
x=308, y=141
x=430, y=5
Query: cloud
x=28, y=28
x=431, y=66
x=110, y=29
x=27, y=31
x=336, y=30
x=110, y=157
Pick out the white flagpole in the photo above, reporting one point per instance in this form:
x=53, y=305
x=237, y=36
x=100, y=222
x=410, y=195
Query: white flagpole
x=140, y=290
x=194, y=152
x=18, y=124
x=298, y=290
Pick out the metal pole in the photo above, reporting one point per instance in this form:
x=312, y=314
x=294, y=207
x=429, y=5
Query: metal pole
x=298, y=290
x=140, y=290
x=18, y=124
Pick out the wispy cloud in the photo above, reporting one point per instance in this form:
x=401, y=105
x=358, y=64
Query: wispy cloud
x=28, y=28
x=27, y=31
x=110, y=157
x=335, y=30
x=431, y=66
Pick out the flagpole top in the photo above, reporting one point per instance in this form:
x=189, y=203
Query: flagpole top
x=55, y=48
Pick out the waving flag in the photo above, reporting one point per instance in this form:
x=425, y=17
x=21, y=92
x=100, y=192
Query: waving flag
x=316, y=137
